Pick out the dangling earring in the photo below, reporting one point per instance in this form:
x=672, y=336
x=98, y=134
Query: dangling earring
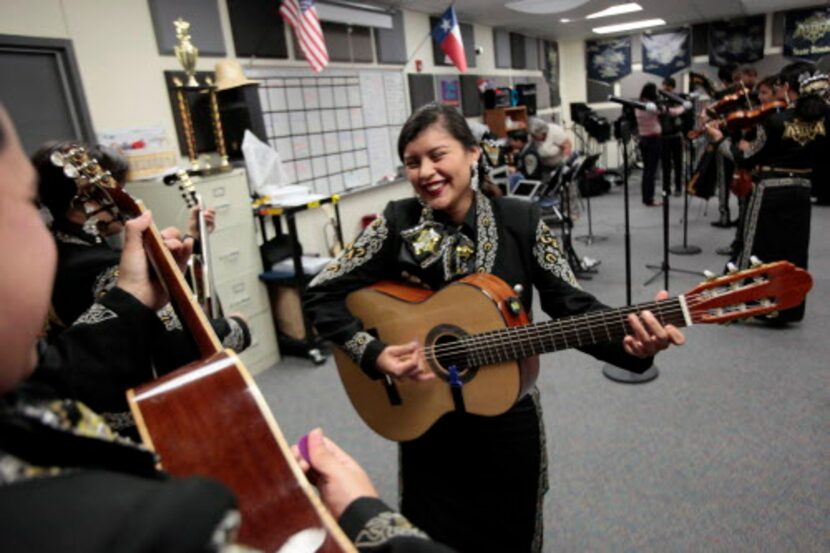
x=474, y=176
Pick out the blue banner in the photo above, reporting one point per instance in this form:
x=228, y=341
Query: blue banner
x=807, y=33
x=736, y=42
x=608, y=60
x=666, y=53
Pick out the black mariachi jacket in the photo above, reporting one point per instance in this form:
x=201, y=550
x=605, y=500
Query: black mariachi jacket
x=411, y=242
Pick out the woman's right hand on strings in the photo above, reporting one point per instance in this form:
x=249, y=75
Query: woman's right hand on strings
x=405, y=361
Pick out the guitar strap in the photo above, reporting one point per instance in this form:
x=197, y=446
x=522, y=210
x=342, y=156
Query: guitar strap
x=455, y=387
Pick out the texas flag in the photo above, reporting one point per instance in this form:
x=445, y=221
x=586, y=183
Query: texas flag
x=447, y=34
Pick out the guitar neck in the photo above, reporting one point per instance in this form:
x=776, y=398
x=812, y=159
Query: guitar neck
x=187, y=309
x=595, y=327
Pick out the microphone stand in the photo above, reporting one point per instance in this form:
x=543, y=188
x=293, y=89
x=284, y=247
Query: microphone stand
x=613, y=372
x=686, y=248
x=664, y=268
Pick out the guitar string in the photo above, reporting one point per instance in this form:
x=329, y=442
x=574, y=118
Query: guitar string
x=541, y=333
x=535, y=331
x=530, y=335
x=493, y=351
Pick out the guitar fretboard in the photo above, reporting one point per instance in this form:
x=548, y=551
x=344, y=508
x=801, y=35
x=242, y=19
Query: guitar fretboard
x=596, y=327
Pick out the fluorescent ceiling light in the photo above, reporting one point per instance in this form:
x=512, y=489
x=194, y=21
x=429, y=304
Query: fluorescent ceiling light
x=544, y=6
x=616, y=10
x=564, y=20
x=620, y=27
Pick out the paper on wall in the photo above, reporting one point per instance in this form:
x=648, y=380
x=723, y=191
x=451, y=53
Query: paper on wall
x=265, y=169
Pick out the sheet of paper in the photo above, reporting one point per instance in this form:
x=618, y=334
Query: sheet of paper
x=374, y=102
x=380, y=154
x=396, y=106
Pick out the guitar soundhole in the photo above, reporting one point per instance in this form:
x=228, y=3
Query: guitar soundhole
x=449, y=350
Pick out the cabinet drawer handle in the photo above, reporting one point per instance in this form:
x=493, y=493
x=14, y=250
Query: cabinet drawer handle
x=232, y=255
x=222, y=207
x=238, y=287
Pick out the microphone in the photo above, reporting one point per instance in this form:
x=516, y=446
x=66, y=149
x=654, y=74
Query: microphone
x=628, y=103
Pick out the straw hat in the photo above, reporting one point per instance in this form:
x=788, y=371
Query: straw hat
x=229, y=74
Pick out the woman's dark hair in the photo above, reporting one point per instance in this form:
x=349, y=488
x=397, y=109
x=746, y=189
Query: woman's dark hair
x=111, y=160
x=725, y=73
x=649, y=92
x=768, y=82
x=669, y=81
x=518, y=134
x=55, y=190
x=449, y=118
x=791, y=72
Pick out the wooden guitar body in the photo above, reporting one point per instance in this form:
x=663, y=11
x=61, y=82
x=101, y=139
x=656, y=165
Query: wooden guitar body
x=209, y=419
x=397, y=314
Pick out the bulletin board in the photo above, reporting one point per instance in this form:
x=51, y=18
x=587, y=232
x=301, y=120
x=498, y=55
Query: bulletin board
x=334, y=131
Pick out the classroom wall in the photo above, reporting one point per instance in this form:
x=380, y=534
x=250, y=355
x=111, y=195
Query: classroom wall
x=122, y=73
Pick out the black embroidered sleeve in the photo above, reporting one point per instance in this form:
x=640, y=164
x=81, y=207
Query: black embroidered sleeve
x=366, y=261
x=374, y=527
x=103, y=354
x=561, y=296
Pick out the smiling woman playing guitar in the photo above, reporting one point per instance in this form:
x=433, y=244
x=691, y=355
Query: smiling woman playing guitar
x=473, y=482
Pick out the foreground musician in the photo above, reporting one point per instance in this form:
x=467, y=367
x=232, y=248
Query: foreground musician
x=68, y=481
x=788, y=149
x=88, y=238
x=475, y=483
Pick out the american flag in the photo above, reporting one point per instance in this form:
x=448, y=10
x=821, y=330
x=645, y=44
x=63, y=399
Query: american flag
x=302, y=15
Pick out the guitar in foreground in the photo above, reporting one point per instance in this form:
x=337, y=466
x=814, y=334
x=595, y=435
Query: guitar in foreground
x=208, y=418
x=478, y=341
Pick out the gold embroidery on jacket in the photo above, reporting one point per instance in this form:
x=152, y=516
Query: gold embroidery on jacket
x=803, y=132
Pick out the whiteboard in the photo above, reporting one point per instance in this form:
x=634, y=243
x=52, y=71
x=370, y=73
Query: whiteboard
x=334, y=131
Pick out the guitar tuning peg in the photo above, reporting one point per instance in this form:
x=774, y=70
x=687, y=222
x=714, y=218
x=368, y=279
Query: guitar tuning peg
x=731, y=267
x=755, y=262
x=709, y=275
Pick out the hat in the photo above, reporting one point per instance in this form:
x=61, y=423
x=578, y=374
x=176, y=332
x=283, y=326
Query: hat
x=229, y=74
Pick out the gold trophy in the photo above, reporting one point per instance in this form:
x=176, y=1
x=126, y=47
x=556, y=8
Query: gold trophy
x=186, y=53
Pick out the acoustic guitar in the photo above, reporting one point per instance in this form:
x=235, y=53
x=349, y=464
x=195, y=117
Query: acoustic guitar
x=478, y=340
x=208, y=418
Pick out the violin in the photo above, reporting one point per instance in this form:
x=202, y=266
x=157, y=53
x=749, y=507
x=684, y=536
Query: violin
x=744, y=119
x=727, y=103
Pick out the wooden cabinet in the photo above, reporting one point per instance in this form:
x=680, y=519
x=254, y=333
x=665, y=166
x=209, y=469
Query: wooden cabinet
x=236, y=262
x=502, y=120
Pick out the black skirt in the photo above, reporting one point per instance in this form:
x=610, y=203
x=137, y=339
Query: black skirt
x=476, y=483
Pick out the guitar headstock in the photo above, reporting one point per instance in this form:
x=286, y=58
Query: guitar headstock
x=186, y=187
x=761, y=289
x=94, y=183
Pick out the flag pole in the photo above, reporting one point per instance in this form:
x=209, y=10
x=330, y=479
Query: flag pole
x=407, y=99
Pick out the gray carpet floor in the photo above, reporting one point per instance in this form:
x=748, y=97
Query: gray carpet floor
x=727, y=450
